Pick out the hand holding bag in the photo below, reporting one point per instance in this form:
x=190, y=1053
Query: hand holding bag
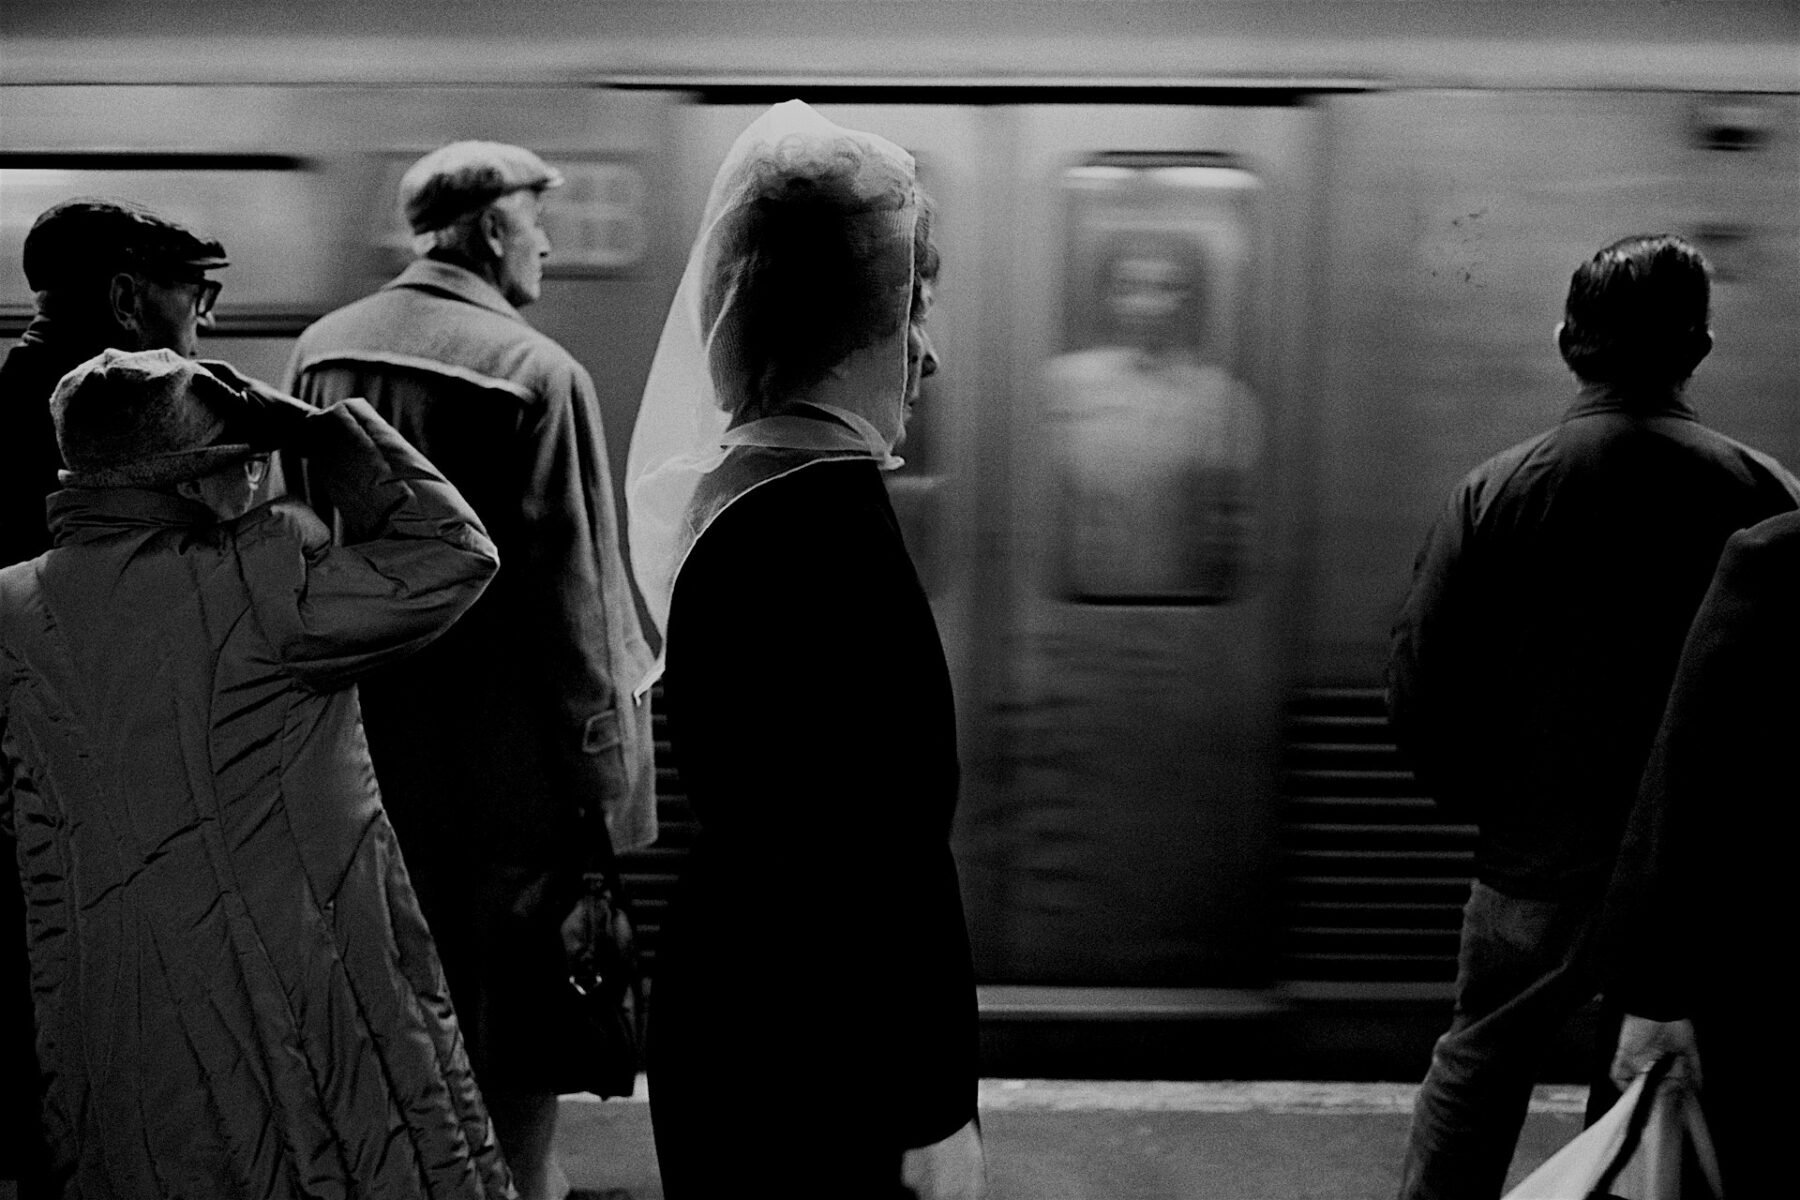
x=1634, y=1152
x=606, y=987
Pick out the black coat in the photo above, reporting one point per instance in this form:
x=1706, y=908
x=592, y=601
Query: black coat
x=29, y=461
x=1533, y=656
x=1700, y=919
x=818, y=932
x=29, y=458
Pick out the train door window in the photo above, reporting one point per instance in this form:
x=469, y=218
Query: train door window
x=265, y=209
x=1158, y=434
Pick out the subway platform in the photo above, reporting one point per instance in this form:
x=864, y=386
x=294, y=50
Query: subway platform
x=1121, y=1140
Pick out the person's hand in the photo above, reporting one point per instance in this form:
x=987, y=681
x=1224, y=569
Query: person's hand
x=1643, y=1041
x=953, y=1169
x=279, y=414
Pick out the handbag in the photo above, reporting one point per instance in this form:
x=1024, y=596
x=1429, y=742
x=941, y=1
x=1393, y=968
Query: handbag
x=1634, y=1151
x=604, y=999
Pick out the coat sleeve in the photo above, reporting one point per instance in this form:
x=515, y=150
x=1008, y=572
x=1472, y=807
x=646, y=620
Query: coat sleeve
x=1430, y=667
x=1704, y=853
x=22, y=1150
x=585, y=626
x=411, y=557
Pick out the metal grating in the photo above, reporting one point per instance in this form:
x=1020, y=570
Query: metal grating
x=1372, y=880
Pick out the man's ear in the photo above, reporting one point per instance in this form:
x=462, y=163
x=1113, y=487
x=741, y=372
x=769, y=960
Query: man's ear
x=125, y=294
x=190, y=489
x=493, y=232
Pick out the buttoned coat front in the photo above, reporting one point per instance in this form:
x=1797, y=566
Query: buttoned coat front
x=235, y=993
x=496, y=746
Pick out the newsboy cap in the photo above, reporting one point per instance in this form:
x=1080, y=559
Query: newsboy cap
x=91, y=236
x=464, y=176
x=144, y=418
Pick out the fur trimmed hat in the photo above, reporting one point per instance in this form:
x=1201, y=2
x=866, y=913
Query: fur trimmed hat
x=146, y=418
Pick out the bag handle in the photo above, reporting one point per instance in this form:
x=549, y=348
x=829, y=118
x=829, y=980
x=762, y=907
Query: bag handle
x=1694, y=1123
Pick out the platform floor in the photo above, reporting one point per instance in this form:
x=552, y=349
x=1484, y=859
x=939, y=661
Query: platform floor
x=1087, y=1140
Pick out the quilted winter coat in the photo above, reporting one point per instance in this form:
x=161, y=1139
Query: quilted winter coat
x=235, y=993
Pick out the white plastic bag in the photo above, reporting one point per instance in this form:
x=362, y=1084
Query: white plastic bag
x=1651, y=1169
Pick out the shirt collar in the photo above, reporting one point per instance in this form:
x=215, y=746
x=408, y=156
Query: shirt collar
x=1638, y=401
x=459, y=283
x=89, y=514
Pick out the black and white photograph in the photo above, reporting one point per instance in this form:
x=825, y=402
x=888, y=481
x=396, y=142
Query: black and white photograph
x=897, y=599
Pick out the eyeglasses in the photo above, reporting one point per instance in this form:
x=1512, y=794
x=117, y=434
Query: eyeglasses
x=206, y=294
x=206, y=291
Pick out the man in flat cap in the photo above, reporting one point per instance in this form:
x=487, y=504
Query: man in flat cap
x=509, y=749
x=220, y=918
x=107, y=273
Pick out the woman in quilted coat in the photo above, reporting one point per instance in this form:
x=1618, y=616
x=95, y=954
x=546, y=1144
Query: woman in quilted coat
x=235, y=995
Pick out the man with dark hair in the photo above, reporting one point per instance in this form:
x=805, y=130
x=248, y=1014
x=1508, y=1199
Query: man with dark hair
x=1530, y=666
x=508, y=749
x=108, y=274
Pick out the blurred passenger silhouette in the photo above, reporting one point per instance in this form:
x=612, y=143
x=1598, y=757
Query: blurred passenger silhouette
x=1160, y=441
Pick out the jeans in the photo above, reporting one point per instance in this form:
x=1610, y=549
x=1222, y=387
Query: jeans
x=1523, y=968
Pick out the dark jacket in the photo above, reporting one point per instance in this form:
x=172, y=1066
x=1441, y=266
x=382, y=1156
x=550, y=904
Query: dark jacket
x=1533, y=656
x=1701, y=898
x=493, y=744
x=29, y=458
x=235, y=993
x=818, y=931
x=29, y=461
x=1702, y=910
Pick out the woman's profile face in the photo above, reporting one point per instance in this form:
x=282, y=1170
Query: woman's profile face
x=921, y=358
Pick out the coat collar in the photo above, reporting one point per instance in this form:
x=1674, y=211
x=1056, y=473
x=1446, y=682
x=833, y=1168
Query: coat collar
x=1637, y=402
x=458, y=283
x=80, y=515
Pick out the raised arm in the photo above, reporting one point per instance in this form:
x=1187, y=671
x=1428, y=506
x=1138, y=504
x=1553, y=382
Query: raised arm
x=411, y=556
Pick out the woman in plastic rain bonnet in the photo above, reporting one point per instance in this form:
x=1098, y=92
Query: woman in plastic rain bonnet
x=816, y=940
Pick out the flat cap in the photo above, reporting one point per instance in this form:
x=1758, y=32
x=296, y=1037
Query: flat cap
x=92, y=235
x=145, y=418
x=464, y=176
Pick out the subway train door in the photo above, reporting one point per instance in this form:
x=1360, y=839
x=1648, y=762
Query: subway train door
x=1152, y=263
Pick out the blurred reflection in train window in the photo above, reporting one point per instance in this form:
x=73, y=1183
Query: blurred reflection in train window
x=269, y=211
x=1158, y=436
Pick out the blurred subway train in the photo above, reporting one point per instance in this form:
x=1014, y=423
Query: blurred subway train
x=1232, y=295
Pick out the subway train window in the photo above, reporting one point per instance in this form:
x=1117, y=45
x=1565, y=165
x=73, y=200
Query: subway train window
x=1159, y=435
x=265, y=209
x=597, y=220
